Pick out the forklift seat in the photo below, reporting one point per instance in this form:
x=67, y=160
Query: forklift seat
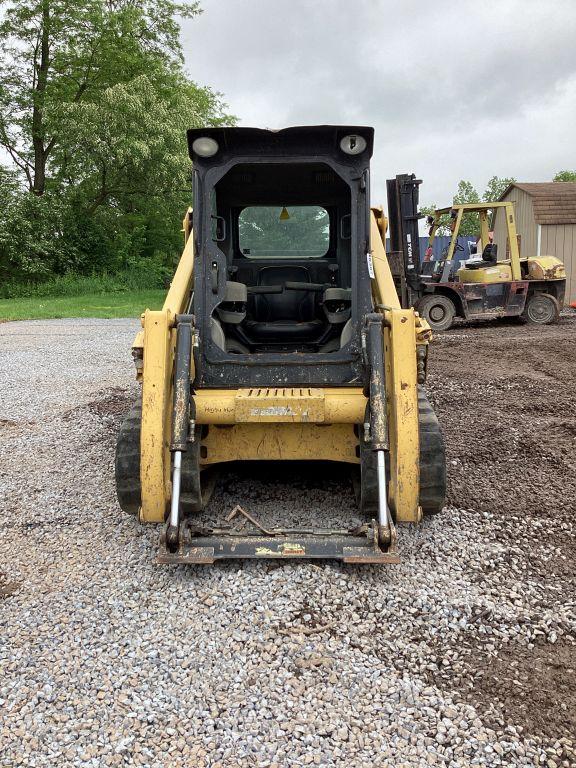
x=489, y=258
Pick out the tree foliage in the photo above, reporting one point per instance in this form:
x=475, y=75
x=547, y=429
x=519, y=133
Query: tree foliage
x=470, y=224
x=467, y=193
x=94, y=104
x=565, y=176
x=496, y=187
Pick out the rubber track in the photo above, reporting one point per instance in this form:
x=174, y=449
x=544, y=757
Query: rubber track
x=127, y=468
x=432, y=465
x=127, y=462
x=432, y=458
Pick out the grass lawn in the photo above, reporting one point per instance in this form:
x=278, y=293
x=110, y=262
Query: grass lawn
x=126, y=304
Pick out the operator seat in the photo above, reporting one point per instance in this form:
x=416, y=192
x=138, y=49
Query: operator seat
x=285, y=316
x=489, y=258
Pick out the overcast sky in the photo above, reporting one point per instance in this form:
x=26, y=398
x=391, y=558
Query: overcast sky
x=454, y=88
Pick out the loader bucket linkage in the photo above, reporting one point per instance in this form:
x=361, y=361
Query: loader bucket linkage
x=206, y=545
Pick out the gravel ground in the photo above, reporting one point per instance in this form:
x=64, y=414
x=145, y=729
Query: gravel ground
x=463, y=655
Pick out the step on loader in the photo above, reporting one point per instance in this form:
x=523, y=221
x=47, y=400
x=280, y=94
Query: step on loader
x=281, y=339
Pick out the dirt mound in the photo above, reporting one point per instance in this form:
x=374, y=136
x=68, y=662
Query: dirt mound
x=507, y=403
x=109, y=408
x=506, y=400
x=536, y=688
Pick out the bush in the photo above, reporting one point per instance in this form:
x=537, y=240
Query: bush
x=148, y=274
x=48, y=247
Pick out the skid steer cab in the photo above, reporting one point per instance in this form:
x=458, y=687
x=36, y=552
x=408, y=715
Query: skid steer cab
x=281, y=338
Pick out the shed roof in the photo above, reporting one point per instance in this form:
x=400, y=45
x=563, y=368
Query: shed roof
x=554, y=201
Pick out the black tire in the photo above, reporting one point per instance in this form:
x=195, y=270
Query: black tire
x=439, y=311
x=432, y=466
x=541, y=309
x=196, y=485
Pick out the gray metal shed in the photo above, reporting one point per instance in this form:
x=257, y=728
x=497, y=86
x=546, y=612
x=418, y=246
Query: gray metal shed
x=546, y=223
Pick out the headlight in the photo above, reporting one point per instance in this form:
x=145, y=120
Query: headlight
x=205, y=146
x=353, y=144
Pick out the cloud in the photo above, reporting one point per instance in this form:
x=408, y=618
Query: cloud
x=454, y=89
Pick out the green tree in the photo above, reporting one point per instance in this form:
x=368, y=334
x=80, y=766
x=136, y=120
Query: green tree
x=470, y=224
x=496, y=187
x=57, y=52
x=443, y=226
x=94, y=104
x=565, y=176
x=467, y=193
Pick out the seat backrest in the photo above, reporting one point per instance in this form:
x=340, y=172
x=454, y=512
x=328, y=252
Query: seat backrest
x=295, y=306
x=490, y=253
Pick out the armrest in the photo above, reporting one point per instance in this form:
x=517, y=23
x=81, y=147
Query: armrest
x=265, y=288
x=312, y=287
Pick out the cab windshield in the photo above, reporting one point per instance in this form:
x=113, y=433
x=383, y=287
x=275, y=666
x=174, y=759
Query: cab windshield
x=284, y=232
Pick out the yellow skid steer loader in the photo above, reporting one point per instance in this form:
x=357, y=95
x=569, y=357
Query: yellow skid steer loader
x=281, y=338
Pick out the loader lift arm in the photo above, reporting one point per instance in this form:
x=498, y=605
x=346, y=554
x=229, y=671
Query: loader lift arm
x=158, y=344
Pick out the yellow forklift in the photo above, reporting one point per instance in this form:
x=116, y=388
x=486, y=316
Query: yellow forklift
x=485, y=286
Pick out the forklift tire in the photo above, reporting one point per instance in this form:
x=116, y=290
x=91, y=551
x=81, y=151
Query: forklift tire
x=432, y=466
x=541, y=309
x=195, y=492
x=438, y=310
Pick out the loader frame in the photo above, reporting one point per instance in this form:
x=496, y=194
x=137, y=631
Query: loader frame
x=403, y=332
x=295, y=421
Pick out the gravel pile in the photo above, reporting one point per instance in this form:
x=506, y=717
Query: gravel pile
x=107, y=659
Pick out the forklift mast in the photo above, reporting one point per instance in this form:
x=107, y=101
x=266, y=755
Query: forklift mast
x=404, y=253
